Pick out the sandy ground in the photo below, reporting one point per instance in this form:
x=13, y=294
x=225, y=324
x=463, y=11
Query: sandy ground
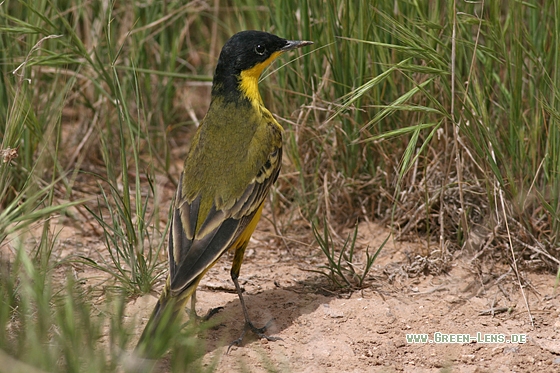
x=366, y=331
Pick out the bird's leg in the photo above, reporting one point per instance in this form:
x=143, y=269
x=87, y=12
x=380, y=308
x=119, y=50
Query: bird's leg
x=193, y=317
x=248, y=324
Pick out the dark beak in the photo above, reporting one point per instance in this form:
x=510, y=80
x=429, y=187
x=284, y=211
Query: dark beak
x=294, y=44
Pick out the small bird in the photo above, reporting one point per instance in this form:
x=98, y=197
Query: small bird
x=234, y=159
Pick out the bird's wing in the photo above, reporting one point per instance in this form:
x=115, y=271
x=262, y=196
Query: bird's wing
x=193, y=250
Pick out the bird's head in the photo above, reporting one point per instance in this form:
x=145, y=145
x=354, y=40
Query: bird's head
x=244, y=57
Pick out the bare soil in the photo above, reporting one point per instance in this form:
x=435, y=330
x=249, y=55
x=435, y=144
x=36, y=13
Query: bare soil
x=324, y=330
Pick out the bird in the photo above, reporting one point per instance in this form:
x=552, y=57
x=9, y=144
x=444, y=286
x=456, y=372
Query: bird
x=234, y=159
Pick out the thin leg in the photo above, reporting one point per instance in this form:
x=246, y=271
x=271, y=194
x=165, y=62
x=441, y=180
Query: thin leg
x=235, y=269
x=192, y=312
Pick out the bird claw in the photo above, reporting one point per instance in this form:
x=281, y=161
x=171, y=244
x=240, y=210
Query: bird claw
x=259, y=332
x=211, y=312
x=199, y=319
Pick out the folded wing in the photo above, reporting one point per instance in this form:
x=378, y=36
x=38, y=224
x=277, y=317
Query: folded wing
x=193, y=250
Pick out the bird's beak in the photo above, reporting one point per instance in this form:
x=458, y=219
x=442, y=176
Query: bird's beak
x=294, y=44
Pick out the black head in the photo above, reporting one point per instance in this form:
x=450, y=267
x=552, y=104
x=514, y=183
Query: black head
x=249, y=51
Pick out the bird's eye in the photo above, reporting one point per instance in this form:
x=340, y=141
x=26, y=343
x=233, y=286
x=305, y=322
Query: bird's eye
x=260, y=50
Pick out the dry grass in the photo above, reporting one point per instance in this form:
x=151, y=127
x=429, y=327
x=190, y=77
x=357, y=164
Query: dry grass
x=438, y=119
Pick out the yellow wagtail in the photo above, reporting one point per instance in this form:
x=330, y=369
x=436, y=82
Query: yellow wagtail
x=234, y=159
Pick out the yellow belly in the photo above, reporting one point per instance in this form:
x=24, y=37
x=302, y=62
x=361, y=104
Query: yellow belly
x=245, y=236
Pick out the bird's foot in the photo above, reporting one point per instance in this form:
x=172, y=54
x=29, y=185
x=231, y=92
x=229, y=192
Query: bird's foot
x=211, y=312
x=199, y=319
x=259, y=332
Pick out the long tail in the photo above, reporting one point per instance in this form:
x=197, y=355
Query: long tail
x=163, y=324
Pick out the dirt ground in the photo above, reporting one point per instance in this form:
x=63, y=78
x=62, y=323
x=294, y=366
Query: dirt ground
x=366, y=331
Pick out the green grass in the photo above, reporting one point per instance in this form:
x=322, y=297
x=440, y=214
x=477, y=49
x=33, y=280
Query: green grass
x=343, y=269
x=441, y=115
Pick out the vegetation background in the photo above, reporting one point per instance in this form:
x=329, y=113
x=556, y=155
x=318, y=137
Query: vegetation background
x=439, y=118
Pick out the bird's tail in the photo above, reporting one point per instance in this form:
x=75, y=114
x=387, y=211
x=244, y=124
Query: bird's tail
x=163, y=325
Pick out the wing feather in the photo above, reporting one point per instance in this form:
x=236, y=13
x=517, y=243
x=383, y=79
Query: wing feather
x=190, y=253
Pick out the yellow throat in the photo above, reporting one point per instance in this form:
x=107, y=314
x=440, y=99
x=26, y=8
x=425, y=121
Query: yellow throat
x=249, y=79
